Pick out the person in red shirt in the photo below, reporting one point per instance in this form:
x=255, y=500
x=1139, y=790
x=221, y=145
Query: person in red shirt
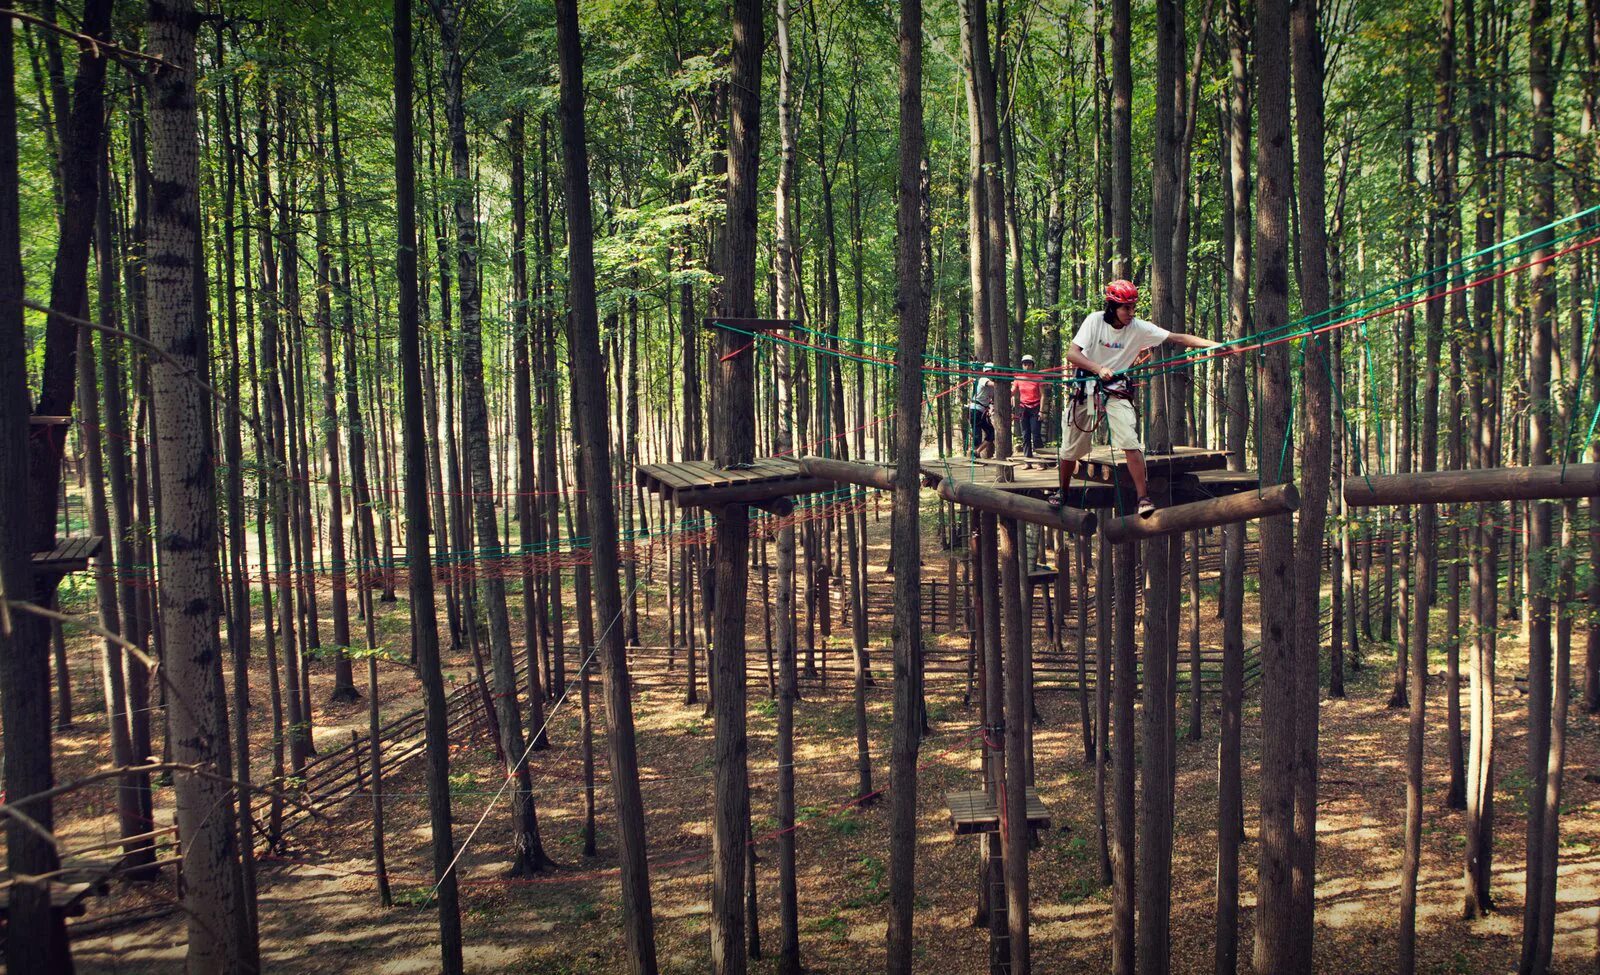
x=1027, y=398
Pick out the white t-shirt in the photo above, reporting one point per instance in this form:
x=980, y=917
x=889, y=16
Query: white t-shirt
x=982, y=393
x=1115, y=347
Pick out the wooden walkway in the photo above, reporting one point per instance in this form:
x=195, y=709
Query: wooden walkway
x=701, y=484
x=972, y=811
x=1102, y=481
x=1192, y=473
x=69, y=555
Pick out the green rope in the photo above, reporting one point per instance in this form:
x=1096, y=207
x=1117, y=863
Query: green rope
x=1294, y=397
x=1306, y=324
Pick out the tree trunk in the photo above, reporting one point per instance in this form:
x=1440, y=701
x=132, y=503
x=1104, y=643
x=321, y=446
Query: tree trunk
x=37, y=938
x=213, y=892
x=589, y=386
x=344, y=685
x=1276, y=948
x=1316, y=454
x=905, y=524
x=424, y=619
x=783, y=445
x=1546, y=701
x=528, y=854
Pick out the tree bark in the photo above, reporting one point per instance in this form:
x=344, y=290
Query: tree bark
x=783, y=445
x=589, y=390
x=1316, y=454
x=213, y=894
x=1276, y=949
x=424, y=618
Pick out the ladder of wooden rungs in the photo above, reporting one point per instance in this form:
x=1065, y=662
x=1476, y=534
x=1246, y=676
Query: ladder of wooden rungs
x=1000, y=941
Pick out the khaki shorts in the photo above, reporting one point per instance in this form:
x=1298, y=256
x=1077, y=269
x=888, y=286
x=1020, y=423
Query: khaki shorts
x=1119, y=418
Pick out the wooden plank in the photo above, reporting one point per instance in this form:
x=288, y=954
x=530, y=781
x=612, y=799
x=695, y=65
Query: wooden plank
x=69, y=555
x=704, y=474
x=754, y=492
x=971, y=811
x=665, y=474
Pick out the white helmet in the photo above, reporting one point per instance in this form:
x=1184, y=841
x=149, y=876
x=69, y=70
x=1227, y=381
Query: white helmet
x=1027, y=359
x=988, y=367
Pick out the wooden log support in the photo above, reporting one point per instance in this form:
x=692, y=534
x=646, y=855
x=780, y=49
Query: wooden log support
x=849, y=472
x=1073, y=521
x=1546, y=481
x=1280, y=499
x=1008, y=504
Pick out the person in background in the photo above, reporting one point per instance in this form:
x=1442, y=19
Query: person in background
x=1027, y=398
x=978, y=413
x=1106, y=344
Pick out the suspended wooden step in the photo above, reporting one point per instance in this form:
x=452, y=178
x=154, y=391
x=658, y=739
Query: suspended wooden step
x=1102, y=481
x=1543, y=482
x=70, y=555
x=1280, y=499
x=701, y=484
x=983, y=497
x=975, y=812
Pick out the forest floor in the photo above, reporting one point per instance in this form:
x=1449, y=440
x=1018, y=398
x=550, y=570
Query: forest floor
x=319, y=911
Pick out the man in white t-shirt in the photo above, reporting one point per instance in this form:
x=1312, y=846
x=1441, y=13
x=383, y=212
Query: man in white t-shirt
x=1106, y=344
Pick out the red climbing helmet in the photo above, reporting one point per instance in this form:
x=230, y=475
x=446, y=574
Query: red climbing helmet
x=1122, y=292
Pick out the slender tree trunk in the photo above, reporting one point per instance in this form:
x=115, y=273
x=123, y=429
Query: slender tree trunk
x=783, y=444
x=528, y=854
x=1546, y=700
x=344, y=686
x=1276, y=949
x=1482, y=376
x=1316, y=452
x=906, y=522
x=639, y=924
x=424, y=619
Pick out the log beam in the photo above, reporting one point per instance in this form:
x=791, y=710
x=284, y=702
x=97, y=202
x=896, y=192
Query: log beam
x=1009, y=504
x=1280, y=499
x=849, y=472
x=1073, y=521
x=1545, y=481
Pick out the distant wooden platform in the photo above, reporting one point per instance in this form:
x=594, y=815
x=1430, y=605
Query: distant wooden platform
x=972, y=811
x=71, y=886
x=701, y=484
x=69, y=555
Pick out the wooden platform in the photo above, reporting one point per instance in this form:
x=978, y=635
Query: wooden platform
x=973, y=812
x=701, y=484
x=1101, y=481
x=69, y=555
x=1189, y=473
x=71, y=886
